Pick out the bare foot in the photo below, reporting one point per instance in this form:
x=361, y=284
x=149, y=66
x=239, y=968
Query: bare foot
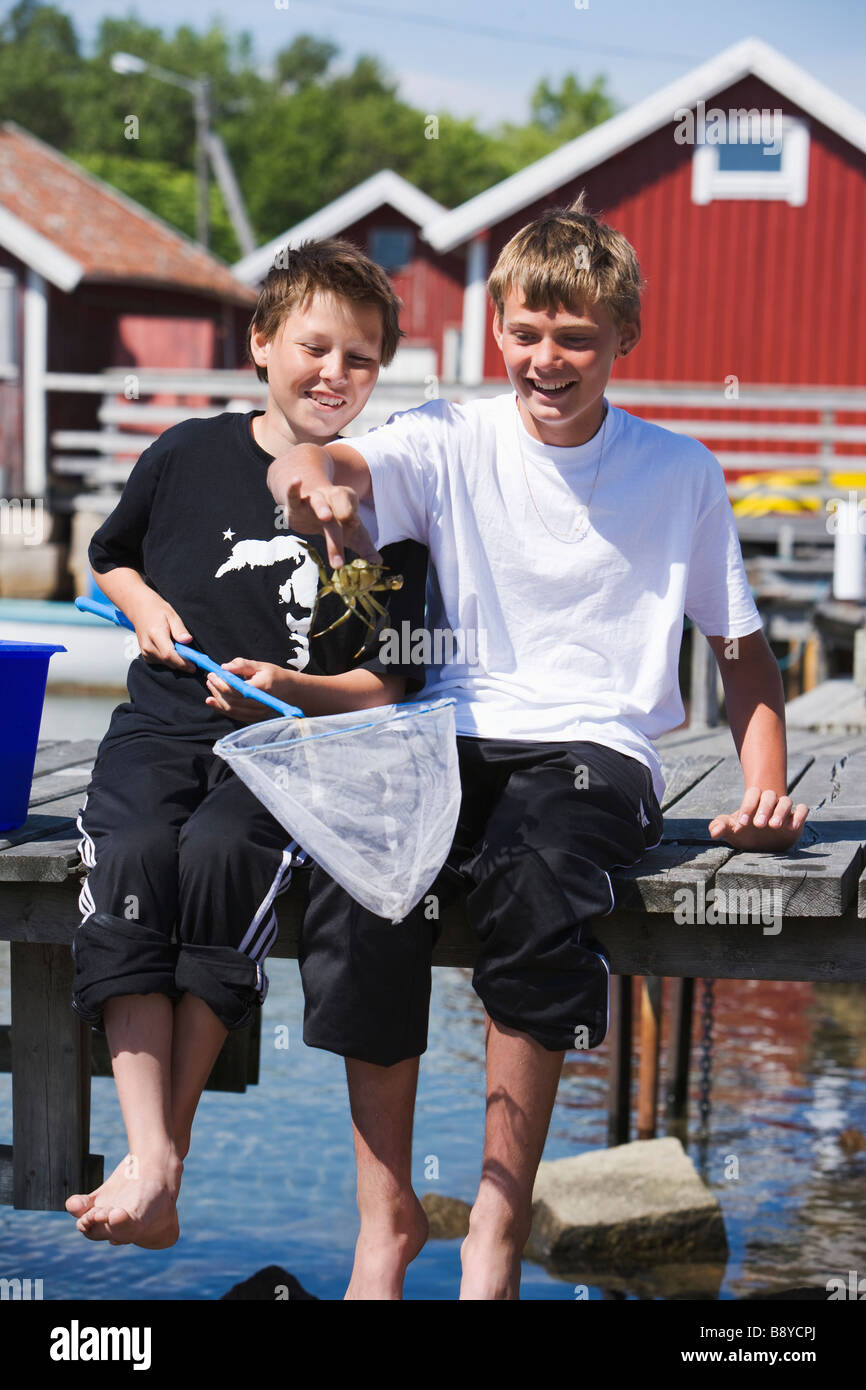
x=383, y=1253
x=136, y=1205
x=490, y=1257
x=80, y=1202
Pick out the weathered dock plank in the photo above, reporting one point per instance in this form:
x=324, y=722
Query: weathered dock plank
x=834, y=787
x=51, y=756
x=53, y=816
x=817, y=880
x=654, y=883
x=835, y=706
x=722, y=788
x=50, y=860
x=681, y=774
x=63, y=782
x=807, y=948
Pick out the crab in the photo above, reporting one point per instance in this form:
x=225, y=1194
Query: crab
x=355, y=584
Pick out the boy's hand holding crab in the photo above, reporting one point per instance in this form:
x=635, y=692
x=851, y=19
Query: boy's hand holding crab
x=302, y=481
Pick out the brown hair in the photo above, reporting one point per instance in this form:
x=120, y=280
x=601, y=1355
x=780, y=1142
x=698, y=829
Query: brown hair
x=566, y=257
x=332, y=265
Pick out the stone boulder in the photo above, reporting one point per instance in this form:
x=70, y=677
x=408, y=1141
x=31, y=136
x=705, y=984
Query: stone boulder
x=626, y=1208
x=270, y=1284
x=448, y=1216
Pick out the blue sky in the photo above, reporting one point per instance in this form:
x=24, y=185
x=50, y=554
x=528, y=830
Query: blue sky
x=638, y=44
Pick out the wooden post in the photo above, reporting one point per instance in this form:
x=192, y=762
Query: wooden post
x=860, y=657
x=619, y=1085
x=50, y=1081
x=677, y=1096
x=785, y=541
x=811, y=661
x=650, y=1037
x=704, y=699
x=237, y=1065
x=33, y=381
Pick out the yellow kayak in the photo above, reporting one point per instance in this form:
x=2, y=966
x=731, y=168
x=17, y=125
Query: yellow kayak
x=762, y=502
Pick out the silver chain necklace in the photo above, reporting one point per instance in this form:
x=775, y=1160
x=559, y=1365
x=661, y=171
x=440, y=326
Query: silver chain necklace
x=581, y=516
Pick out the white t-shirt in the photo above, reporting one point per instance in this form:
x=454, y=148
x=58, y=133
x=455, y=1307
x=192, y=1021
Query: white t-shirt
x=557, y=641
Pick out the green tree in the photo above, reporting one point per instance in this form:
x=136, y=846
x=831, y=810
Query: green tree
x=298, y=137
x=166, y=113
x=305, y=61
x=573, y=109
x=557, y=117
x=40, y=67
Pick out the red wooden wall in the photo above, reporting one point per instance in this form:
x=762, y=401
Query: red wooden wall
x=431, y=287
x=758, y=289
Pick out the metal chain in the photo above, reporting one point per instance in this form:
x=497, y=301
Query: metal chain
x=706, y=1054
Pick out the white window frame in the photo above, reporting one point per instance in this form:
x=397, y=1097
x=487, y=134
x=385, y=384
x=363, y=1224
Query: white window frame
x=8, y=324
x=789, y=184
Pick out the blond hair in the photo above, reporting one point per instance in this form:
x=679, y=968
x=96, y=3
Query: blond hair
x=331, y=265
x=565, y=258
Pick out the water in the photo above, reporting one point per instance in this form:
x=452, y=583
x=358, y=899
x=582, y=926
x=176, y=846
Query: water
x=270, y=1179
x=75, y=717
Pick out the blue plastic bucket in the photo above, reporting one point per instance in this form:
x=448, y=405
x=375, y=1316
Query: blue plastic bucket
x=23, y=674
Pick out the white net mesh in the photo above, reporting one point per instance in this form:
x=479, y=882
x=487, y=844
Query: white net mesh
x=373, y=795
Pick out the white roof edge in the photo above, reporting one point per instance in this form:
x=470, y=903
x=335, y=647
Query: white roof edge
x=750, y=55
x=37, y=252
x=384, y=187
x=805, y=90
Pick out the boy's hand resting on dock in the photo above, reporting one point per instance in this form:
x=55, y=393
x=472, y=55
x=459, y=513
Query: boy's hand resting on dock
x=764, y=821
x=755, y=704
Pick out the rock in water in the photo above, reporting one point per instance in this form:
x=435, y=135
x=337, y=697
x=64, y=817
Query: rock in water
x=272, y=1285
x=852, y=1140
x=448, y=1216
x=633, y=1205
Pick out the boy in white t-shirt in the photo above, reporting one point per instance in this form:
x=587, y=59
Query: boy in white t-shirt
x=568, y=538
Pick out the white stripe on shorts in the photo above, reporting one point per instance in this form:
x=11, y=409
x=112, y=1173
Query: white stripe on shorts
x=254, y=936
x=87, y=851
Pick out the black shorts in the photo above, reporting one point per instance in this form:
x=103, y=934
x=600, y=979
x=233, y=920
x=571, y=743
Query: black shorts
x=185, y=867
x=540, y=826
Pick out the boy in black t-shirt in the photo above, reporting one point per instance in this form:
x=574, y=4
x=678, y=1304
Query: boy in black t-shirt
x=185, y=864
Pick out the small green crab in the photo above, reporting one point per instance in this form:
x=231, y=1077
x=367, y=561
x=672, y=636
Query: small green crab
x=355, y=584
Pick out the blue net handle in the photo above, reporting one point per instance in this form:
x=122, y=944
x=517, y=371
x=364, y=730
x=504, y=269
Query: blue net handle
x=114, y=615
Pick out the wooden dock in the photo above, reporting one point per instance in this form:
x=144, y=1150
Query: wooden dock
x=819, y=889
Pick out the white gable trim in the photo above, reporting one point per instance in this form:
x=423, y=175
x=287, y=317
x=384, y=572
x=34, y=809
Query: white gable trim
x=38, y=253
x=384, y=187
x=751, y=56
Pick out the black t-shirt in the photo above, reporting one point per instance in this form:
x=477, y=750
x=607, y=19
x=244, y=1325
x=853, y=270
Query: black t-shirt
x=196, y=519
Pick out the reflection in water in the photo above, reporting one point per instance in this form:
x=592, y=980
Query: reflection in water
x=271, y=1175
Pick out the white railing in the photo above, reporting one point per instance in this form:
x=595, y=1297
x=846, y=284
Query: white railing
x=105, y=456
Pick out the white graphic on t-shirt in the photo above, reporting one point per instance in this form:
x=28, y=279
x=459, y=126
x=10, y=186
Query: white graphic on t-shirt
x=298, y=591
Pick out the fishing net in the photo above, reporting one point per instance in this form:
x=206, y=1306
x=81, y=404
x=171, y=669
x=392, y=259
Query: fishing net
x=372, y=796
